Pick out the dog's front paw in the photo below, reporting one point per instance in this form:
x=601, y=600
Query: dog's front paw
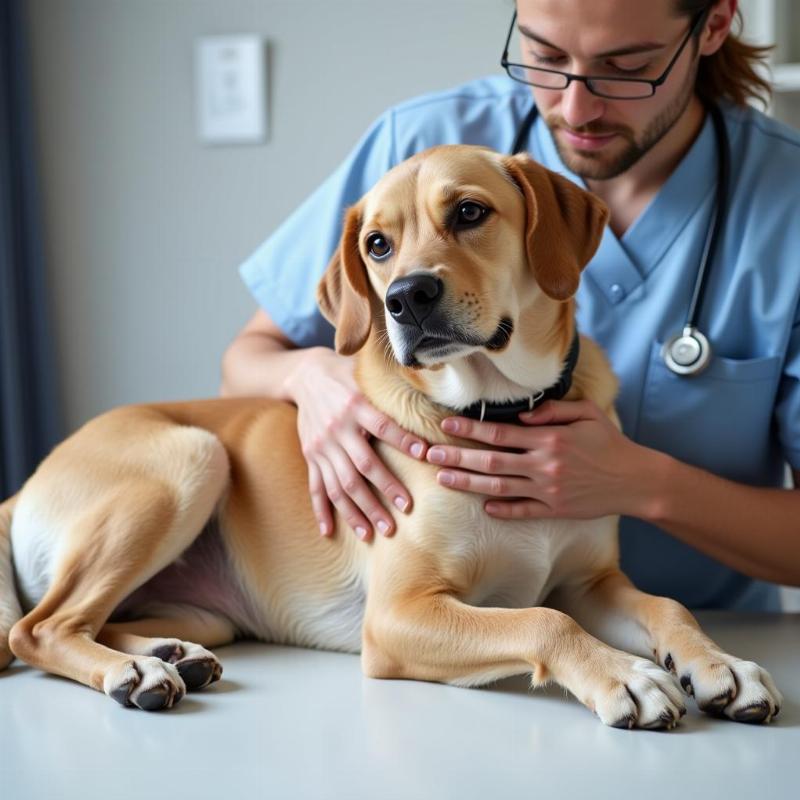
x=144, y=682
x=725, y=686
x=197, y=666
x=630, y=692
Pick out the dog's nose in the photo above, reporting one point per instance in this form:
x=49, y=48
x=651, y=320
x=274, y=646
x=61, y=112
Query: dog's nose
x=412, y=298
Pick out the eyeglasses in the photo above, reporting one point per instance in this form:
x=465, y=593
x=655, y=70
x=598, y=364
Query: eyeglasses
x=612, y=88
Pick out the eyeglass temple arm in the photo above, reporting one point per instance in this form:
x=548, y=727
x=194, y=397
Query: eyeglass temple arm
x=504, y=57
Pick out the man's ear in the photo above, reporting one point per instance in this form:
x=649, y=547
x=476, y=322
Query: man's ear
x=563, y=225
x=343, y=291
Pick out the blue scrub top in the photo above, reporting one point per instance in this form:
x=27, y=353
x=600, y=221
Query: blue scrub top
x=739, y=419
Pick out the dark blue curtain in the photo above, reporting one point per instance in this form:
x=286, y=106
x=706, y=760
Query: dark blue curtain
x=29, y=416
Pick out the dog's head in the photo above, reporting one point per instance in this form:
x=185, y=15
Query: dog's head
x=466, y=258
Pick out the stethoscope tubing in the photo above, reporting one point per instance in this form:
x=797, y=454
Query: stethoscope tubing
x=689, y=352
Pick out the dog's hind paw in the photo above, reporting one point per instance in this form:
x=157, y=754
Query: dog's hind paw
x=144, y=682
x=197, y=666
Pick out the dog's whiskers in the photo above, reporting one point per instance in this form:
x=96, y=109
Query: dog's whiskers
x=383, y=338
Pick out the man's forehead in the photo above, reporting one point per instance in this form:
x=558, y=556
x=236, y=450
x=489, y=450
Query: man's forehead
x=598, y=25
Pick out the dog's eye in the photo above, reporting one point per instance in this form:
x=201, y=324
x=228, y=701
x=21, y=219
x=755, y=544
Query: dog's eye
x=470, y=213
x=378, y=247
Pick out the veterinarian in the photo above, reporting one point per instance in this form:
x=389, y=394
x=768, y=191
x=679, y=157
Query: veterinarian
x=699, y=470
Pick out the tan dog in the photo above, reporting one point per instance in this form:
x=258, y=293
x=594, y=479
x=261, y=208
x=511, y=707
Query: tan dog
x=157, y=531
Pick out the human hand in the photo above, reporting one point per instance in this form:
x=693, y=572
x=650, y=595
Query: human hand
x=571, y=462
x=334, y=422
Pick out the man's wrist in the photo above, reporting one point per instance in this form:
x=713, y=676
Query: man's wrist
x=652, y=485
x=298, y=374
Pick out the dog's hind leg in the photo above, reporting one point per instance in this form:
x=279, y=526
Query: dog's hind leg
x=179, y=637
x=614, y=610
x=131, y=491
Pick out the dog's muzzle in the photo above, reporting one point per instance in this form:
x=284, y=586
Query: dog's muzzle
x=424, y=329
x=414, y=303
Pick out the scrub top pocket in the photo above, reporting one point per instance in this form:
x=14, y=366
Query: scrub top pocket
x=718, y=420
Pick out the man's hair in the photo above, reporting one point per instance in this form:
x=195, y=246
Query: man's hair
x=736, y=72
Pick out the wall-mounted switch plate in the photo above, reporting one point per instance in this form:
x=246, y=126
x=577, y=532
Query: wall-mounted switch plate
x=230, y=75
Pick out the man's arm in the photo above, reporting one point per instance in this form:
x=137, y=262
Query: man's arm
x=751, y=529
x=260, y=361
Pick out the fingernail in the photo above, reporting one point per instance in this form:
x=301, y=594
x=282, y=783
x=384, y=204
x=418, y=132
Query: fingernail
x=416, y=449
x=450, y=426
x=436, y=455
x=447, y=478
x=401, y=503
x=383, y=527
x=323, y=529
x=361, y=532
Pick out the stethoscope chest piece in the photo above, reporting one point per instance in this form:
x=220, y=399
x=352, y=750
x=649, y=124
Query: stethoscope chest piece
x=688, y=353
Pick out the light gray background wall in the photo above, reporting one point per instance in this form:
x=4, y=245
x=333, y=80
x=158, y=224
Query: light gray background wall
x=144, y=225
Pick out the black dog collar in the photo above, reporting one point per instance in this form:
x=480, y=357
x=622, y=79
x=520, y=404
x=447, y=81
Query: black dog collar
x=487, y=411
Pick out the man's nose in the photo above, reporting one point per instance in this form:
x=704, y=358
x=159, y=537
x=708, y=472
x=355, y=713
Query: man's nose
x=579, y=106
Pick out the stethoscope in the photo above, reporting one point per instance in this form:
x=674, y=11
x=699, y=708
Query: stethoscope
x=688, y=352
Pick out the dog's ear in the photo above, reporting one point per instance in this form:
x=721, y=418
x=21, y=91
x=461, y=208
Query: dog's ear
x=563, y=227
x=343, y=291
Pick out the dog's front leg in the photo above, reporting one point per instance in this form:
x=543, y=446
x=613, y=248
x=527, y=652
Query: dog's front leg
x=614, y=610
x=436, y=637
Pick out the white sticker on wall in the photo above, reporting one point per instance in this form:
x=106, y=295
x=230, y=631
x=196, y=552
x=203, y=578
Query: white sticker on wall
x=230, y=76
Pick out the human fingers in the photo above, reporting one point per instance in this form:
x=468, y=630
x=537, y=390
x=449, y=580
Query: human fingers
x=340, y=498
x=526, y=508
x=370, y=465
x=561, y=412
x=348, y=460
x=489, y=462
x=494, y=485
x=496, y=433
x=319, y=500
x=383, y=427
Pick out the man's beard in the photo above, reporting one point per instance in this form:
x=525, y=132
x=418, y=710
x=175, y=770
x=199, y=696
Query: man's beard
x=591, y=166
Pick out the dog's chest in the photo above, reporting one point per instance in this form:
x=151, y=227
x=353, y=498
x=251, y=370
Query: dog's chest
x=506, y=563
x=511, y=566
